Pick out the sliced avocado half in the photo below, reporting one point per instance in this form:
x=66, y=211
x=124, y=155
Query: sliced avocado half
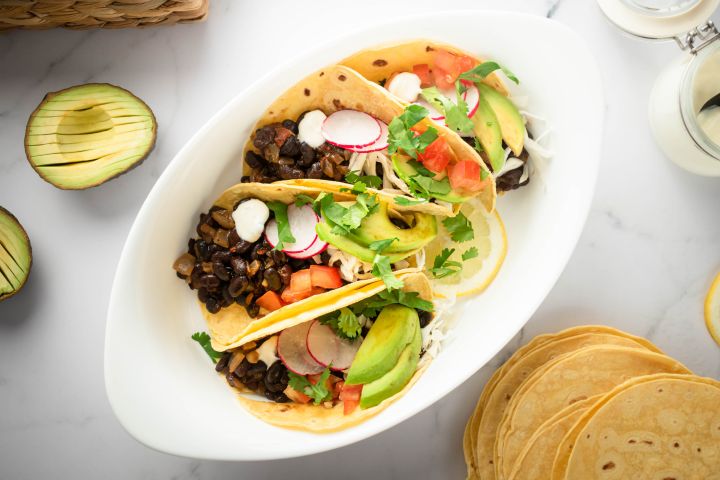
x=85, y=135
x=487, y=130
x=378, y=226
x=15, y=255
x=406, y=171
x=348, y=245
x=511, y=122
x=393, y=330
x=395, y=380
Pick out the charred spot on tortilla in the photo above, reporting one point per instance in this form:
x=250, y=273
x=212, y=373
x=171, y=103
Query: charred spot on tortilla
x=342, y=77
x=428, y=48
x=307, y=92
x=380, y=62
x=322, y=73
x=338, y=104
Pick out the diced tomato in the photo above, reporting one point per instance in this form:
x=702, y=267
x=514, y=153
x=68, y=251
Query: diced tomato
x=301, y=280
x=443, y=79
x=291, y=296
x=270, y=301
x=423, y=71
x=436, y=155
x=325, y=277
x=281, y=134
x=451, y=63
x=328, y=381
x=463, y=64
x=465, y=175
x=296, y=396
x=350, y=396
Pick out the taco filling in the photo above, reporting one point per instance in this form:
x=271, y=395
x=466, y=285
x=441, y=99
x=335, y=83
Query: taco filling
x=264, y=247
x=353, y=358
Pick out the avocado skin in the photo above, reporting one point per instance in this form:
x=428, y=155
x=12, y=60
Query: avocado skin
x=16, y=241
x=487, y=130
x=395, y=380
x=511, y=122
x=404, y=170
x=394, y=329
x=377, y=226
x=348, y=245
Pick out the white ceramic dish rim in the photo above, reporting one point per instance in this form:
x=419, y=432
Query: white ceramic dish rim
x=313, y=60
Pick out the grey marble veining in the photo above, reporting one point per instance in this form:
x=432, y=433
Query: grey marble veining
x=643, y=263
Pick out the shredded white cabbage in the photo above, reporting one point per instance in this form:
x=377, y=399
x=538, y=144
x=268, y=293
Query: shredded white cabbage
x=435, y=333
x=351, y=268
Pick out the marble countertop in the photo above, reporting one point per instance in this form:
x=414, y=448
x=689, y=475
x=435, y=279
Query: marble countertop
x=643, y=264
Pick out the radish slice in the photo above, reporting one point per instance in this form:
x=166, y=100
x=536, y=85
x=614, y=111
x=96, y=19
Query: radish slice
x=472, y=98
x=351, y=129
x=316, y=248
x=328, y=349
x=302, y=225
x=380, y=144
x=434, y=114
x=292, y=349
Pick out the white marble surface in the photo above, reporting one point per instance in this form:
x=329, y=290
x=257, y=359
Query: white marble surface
x=644, y=262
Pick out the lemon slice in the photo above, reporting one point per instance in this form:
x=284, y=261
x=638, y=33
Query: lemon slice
x=476, y=273
x=712, y=310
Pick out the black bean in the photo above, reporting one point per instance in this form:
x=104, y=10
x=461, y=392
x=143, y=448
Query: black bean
x=245, y=179
x=291, y=147
x=263, y=137
x=274, y=282
x=290, y=125
x=285, y=272
x=237, y=286
x=285, y=161
x=252, y=385
x=233, y=381
x=273, y=378
x=221, y=256
x=287, y=172
x=425, y=318
x=253, y=310
x=278, y=256
x=242, y=369
x=203, y=294
x=241, y=247
x=191, y=245
x=307, y=155
x=254, y=160
x=256, y=372
x=233, y=237
x=325, y=257
x=227, y=298
x=212, y=305
x=195, y=276
x=223, y=362
x=221, y=272
x=315, y=171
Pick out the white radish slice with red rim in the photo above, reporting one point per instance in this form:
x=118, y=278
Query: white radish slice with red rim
x=328, y=349
x=380, y=144
x=293, y=351
x=434, y=113
x=316, y=248
x=472, y=99
x=302, y=226
x=351, y=129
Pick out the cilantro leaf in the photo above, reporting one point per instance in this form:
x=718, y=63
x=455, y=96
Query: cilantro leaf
x=283, y=225
x=380, y=246
x=402, y=137
x=456, y=114
x=383, y=269
x=459, y=227
x=344, y=323
x=302, y=199
x=443, y=266
x=344, y=219
x=430, y=186
x=204, y=340
x=478, y=73
x=420, y=168
x=362, y=182
x=318, y=391
x=478, y=147
x=471, y=252
x=408, y=202
x=371, y=307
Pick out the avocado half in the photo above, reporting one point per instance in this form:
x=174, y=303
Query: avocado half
x=15, y=255
x=85, y=135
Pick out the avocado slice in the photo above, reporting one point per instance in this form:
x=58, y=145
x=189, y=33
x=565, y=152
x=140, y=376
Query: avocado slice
x=487, y=130
x=377, y=226
x=85, y=135
x=393, y=330
x=406, y=171
x=511, y=122
x=395, y=380
x=348, y=245
x=15, y=255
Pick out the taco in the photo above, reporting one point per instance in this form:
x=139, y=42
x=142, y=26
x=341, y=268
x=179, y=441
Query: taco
x=336, y=126
x=268, y=248
x=461, y=92
x=333, y=365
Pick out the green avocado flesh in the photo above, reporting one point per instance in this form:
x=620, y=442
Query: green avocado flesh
x=487, y=130
x=88, y=134
x=15, y=255
x=511, y=122
x=393, y=330
x=395, y=380
x=406, y=171
x=377, y=226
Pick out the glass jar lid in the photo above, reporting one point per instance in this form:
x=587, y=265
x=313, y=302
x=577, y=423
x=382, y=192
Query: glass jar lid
x=700, y=99
x=658, y=19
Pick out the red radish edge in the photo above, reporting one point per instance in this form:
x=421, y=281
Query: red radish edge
x=316, y=248
x=473, y=94
x=338, y=127
x=292, y=350
x=298, y=225
x=380, y=144
x=328, y=349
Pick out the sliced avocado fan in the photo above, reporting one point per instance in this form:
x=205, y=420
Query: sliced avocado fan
x=15, y=255
x=85, y=135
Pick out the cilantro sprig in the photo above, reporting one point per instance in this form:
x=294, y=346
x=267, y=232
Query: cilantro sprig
x=283, y=224
x=402, y=137
x=345, y=219
x=317, y=391
x=459, y=227
x=360, y=183
x=204, y=340
x=344, y=323
x=371, y=307
x=409, y=202
x=382, y=268
x=443, y=266
x=471, y=252
x=456, y=113
x=481, y=71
